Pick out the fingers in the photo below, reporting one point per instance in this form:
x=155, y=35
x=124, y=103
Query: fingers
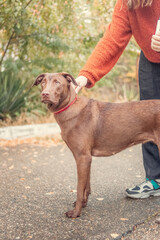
x=155, y=43
x=81, y=81
x=78, y=89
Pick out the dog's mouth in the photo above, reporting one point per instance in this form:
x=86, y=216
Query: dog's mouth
x=45, y=101
x=50, y=103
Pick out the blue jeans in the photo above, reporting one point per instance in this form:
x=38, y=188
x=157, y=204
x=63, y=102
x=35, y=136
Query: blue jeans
x=149, y=83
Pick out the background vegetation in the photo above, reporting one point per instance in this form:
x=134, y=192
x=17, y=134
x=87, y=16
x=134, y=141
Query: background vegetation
x=51, y=36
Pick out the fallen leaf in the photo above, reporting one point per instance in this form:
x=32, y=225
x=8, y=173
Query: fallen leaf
x=22, y=179
x=50, y=193
x=24, y=167
x=27, y=187
x=24, y=196
x=11, y=167
x=74, y=191
x=100, y=199
x=124, y=219
x=114, y=235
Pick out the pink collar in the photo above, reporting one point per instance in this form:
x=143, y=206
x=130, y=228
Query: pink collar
x=65, y=108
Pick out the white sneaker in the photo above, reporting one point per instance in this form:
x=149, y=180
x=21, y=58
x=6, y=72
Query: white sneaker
x=144, y=190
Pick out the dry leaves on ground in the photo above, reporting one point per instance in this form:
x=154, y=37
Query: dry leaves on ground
x=46, y=141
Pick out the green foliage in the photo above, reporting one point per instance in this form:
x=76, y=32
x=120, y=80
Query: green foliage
x=13, y=93
x=16, y=92
x=52, y=36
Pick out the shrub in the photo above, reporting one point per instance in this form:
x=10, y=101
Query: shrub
x=13, y=94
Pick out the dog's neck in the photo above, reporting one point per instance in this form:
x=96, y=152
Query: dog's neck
x=71, y=113
x=66, y=100
x=66, y=107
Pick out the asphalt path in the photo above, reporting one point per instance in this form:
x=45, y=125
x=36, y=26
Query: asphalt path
x=38, y=185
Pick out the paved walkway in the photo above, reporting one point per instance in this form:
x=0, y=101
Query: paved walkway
x=37, y=186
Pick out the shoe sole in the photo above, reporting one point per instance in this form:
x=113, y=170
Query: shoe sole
x=144, y=195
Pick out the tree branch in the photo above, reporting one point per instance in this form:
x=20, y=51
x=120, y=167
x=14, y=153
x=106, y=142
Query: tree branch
x=28, y=3
x=7, y=46
x=9, y=41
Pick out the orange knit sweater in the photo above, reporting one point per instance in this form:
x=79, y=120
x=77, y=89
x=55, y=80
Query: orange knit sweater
x=141, y=23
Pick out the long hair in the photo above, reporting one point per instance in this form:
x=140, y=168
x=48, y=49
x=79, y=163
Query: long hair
x=132, y=4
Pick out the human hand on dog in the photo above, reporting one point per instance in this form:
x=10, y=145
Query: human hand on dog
x=155, y=43
x=81, y=81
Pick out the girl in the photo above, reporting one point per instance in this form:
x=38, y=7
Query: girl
x=138, y=18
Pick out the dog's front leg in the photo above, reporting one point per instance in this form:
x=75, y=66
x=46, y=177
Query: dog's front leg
x=87, y=191
x=83, y=171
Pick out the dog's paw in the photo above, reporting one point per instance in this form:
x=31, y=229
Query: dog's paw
x=72, y=214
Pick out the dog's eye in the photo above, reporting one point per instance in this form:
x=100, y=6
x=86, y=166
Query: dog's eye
x=42, y=84
x=57, y=82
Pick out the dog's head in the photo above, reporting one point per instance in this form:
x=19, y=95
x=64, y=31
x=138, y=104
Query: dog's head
x=55, y=87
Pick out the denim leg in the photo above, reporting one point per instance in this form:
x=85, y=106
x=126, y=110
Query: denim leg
x=149, y=82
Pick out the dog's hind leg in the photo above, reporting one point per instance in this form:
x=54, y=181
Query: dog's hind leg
x=87, y=191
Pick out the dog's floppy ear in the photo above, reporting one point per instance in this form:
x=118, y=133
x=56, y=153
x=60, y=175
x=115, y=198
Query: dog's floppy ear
x=69, y=78
x=39, y=79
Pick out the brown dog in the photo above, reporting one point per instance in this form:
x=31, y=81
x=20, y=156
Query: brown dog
x=93, y=128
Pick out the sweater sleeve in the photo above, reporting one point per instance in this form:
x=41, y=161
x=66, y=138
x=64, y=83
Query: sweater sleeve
x=110, y=47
